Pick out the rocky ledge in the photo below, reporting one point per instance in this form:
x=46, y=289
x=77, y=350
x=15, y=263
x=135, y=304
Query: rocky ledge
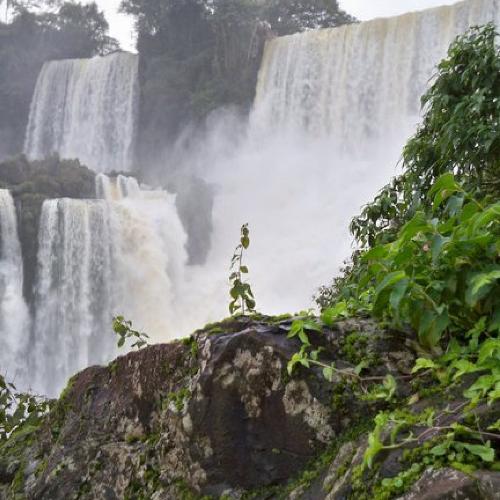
x=31, y=183
x=218, y=416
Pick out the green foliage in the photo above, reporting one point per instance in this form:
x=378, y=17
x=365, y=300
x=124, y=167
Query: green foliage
x=459, y=135
x=429, y=264
x=441, y=274
x=242, y=298
x=291, y=16
x=124, y=331
x=19, y=410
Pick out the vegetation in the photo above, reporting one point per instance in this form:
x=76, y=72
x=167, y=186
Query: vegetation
x=429, y=264
x=242, y=298
x=124, y=331
x=199, y=55
x=19, y=410
x=38, y=32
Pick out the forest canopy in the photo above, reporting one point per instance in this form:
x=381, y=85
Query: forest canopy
x=38, y=32
x=199, y=55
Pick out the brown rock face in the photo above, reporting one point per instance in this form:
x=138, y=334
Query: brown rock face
x=218, y=416
x=215, y=413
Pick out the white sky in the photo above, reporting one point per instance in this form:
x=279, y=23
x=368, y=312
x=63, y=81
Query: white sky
x=369, y=9
x=121, y=26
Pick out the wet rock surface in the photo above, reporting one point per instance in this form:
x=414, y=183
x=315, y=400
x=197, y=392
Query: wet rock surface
x=215, y=415
x=31, y=183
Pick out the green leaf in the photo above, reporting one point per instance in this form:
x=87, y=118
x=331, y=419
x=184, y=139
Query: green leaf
x=480, y=387
x=380, y=292
x=480, y=284
x=495, y=426
x=244, y=270
x=328, y=373
x=303, y=337
x=438, y=242
x=330, y=315
x=312, y=325
x=441, y=449
x=398, y=293
x=415, y=226
x=443, y=188
x=490, y=348
x=485, y=453
x=424, y=364
x=463, y=366
x=432, y=326
x=245, y=241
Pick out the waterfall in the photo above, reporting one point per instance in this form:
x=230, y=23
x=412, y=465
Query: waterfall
x=360, y=84
x=98, y=259
x=14, y=317
x=86, y=109
x=333, y=109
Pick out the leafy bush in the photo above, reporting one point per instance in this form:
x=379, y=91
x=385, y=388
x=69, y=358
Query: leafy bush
x=428, y=264
x=18, y=409
x=459, y=134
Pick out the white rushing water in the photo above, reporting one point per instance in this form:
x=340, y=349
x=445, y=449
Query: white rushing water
x=333, y=109
x=360, y=83
x=14, y=317
x=99, y=259
x=86, y=109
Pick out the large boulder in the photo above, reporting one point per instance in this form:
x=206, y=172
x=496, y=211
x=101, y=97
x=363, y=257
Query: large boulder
x=218, y=416
x=217, y=412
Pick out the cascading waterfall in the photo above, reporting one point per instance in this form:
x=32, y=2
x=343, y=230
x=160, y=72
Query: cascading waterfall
x=86, y=109
x=14, y=317
x=332, y=112
x=74, y=291
x=360, y=83
x=97, y=259
x=333, y=109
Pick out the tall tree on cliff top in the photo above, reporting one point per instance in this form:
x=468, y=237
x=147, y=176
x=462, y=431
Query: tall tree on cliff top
x=290, y=16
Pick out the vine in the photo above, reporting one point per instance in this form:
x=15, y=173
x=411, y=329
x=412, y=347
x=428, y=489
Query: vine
x=242, y=298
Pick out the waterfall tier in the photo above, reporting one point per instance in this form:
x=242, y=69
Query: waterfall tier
x=14, y=317
x=99, y=259
x=86, y=109
x=360, y=82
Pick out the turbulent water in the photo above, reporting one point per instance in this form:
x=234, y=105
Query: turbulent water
x=14, y=317
x=86, y=109
x=97, y=259
x=332, y=111
x=361, y=82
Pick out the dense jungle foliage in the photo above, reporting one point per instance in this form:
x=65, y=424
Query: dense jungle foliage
x=38, y=32
x=198, y=55
x=428, y=262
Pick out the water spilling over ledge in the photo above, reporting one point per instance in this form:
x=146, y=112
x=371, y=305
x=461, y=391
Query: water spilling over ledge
x=86, y=109
x=333, y=109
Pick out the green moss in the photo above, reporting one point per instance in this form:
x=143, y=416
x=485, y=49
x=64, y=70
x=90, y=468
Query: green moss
x=17, y=485
x=355, y=348
x=192, y=343
x=314, y=469
x=112, y=367
x=186, y=493
x=179, y=399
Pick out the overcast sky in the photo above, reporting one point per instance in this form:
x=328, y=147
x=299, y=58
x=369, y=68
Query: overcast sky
x=122, y=26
